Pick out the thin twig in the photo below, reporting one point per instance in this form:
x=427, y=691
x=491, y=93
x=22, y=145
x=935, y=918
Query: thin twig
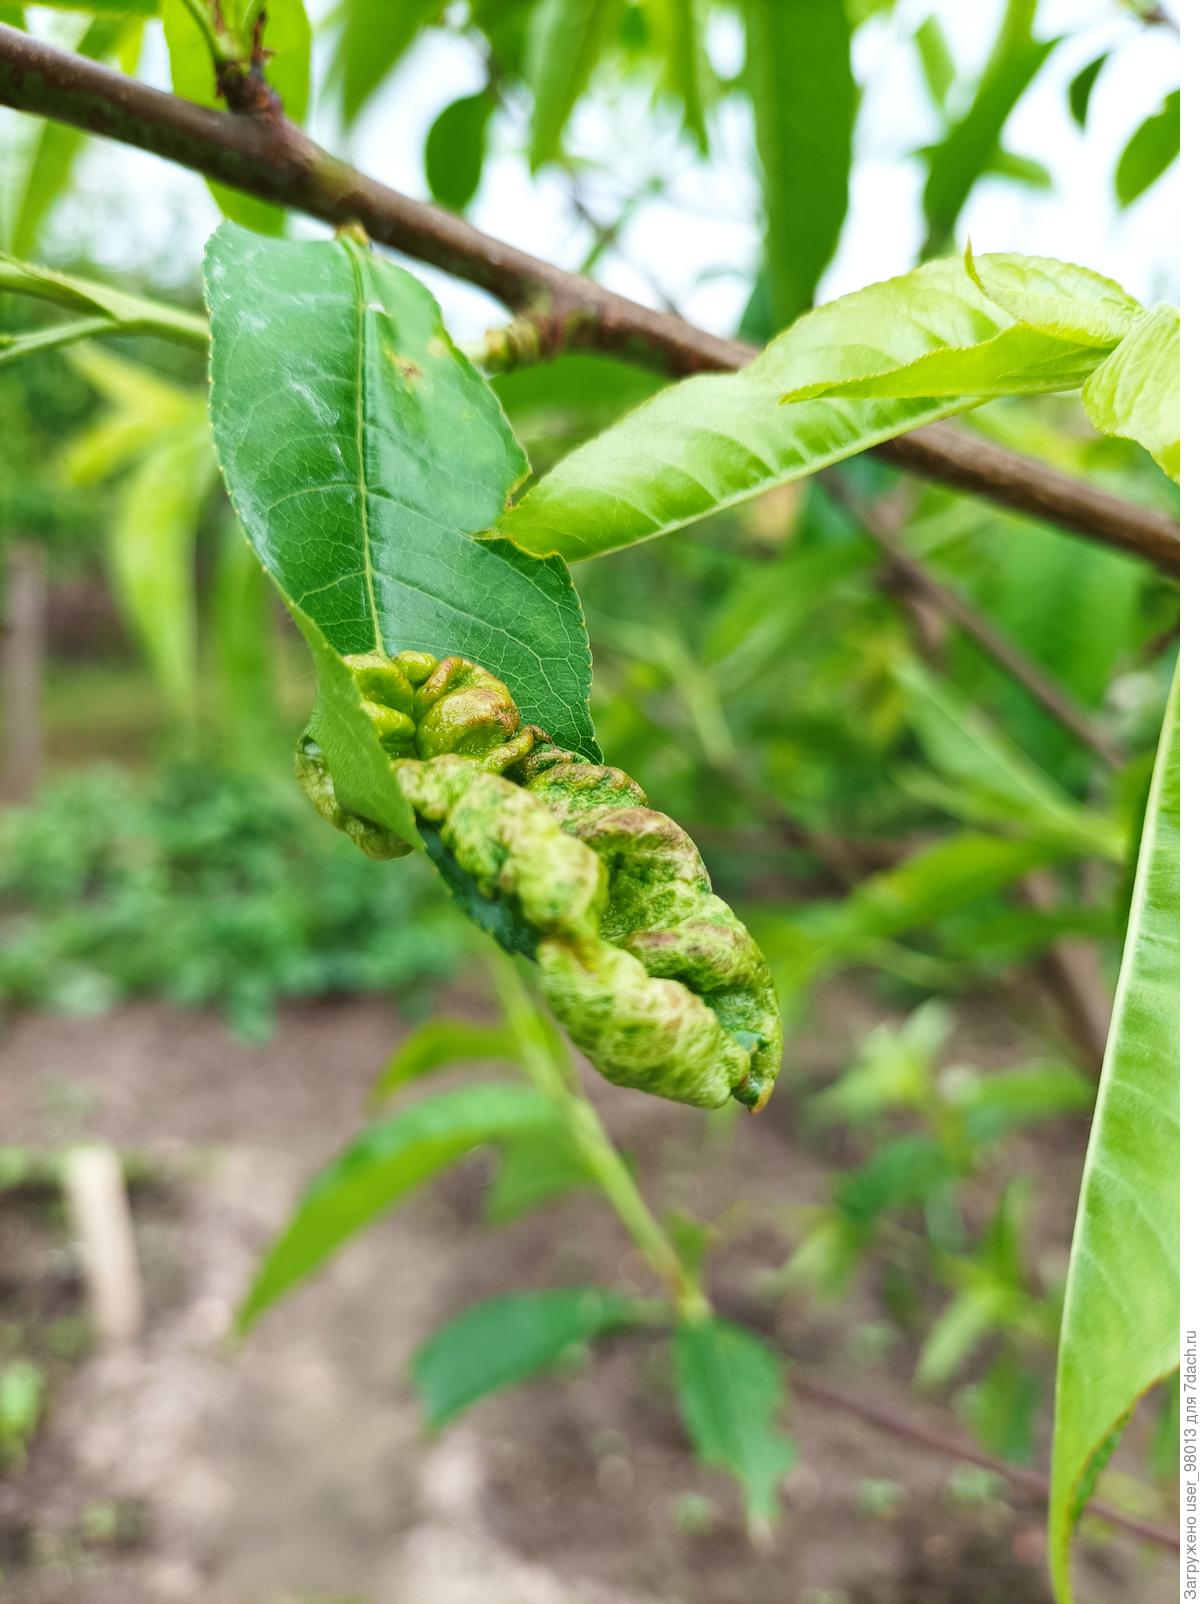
x=1054, y=698
x=276, y=162
x=1033, y=1483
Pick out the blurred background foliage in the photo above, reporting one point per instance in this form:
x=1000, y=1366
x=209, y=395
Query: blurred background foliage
x=868, y=786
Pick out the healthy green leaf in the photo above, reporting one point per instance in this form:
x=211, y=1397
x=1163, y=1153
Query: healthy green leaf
x=239, y=647
x=1120, y=1327
x=995, y=1104
x=677, y=39
x=730, y=1388
x=927, y=886
x=1000, y=784
x=1151, y=150
x=508, y=1339
x=1079, y=94
x=375, y=36
x=534, y=1171
x=439, y=1042
x=937, y=64
x=454, y=149
x=287, y=36
x=861, y=370
x=15, y=346
x=151, y=553
x=388, y=1160
x=804, y=99
x=127, y=314
x=566, y=39
x=967, y=1319
x=1021, y=170
x=1055, y=298
x=1134, y=393
x=105, y=8
x=971, y=144
x=362, y=451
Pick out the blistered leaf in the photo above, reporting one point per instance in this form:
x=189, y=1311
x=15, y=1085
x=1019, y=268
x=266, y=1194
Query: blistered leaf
x=1120, y=1326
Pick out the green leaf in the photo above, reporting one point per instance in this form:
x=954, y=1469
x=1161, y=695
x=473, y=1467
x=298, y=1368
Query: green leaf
x=937, y=64
x=506, y=1340
x=1134, y=393
x=1021, y=170
x=904, y=1171
x=534, y=1171
x=151, y=553
x=55, y=146
x=804, y=99
x=1120, y=1328
x=105, y=8
x=1055, y=298
x=972, y=143
x=375, y=36
x=950, y=875
x=1003, y=1409
x=362, y=452
x=388, y=1160
x=566, y=39
x=677, y=39
x=439, y=1042
x=995, y=1104
x=898, y=349
x=730, y=1388
x=1151, y=150
x=239, y=641
x=1001, y=784
x=969, y=1317
x=13, y=347
x=288, y=36
x=454, y=149
x=127, y=314
x=1079, y=94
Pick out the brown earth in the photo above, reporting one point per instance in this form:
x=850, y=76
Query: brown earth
x=297, y=1470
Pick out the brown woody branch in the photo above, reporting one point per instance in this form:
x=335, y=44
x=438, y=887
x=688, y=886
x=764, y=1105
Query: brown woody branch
x=272, y=159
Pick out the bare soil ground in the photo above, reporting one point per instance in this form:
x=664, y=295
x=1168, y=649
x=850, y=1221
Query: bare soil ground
x=296, y=1470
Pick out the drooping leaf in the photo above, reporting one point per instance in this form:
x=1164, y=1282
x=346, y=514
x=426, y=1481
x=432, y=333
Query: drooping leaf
x=971, y=144
x=374, y=37
x=566, y=39
x=730, y=1388
x=454, y=149
x=287, y=35
x=1079, y=93
x=1151, y=150
x=804, y=99
x=439, y=1042
x=713, y=441
x=1134, y=393
x=1000, y=784
x=506, y=1340
x=387, y=1161
x=362, y=452
x=1120, y=1326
